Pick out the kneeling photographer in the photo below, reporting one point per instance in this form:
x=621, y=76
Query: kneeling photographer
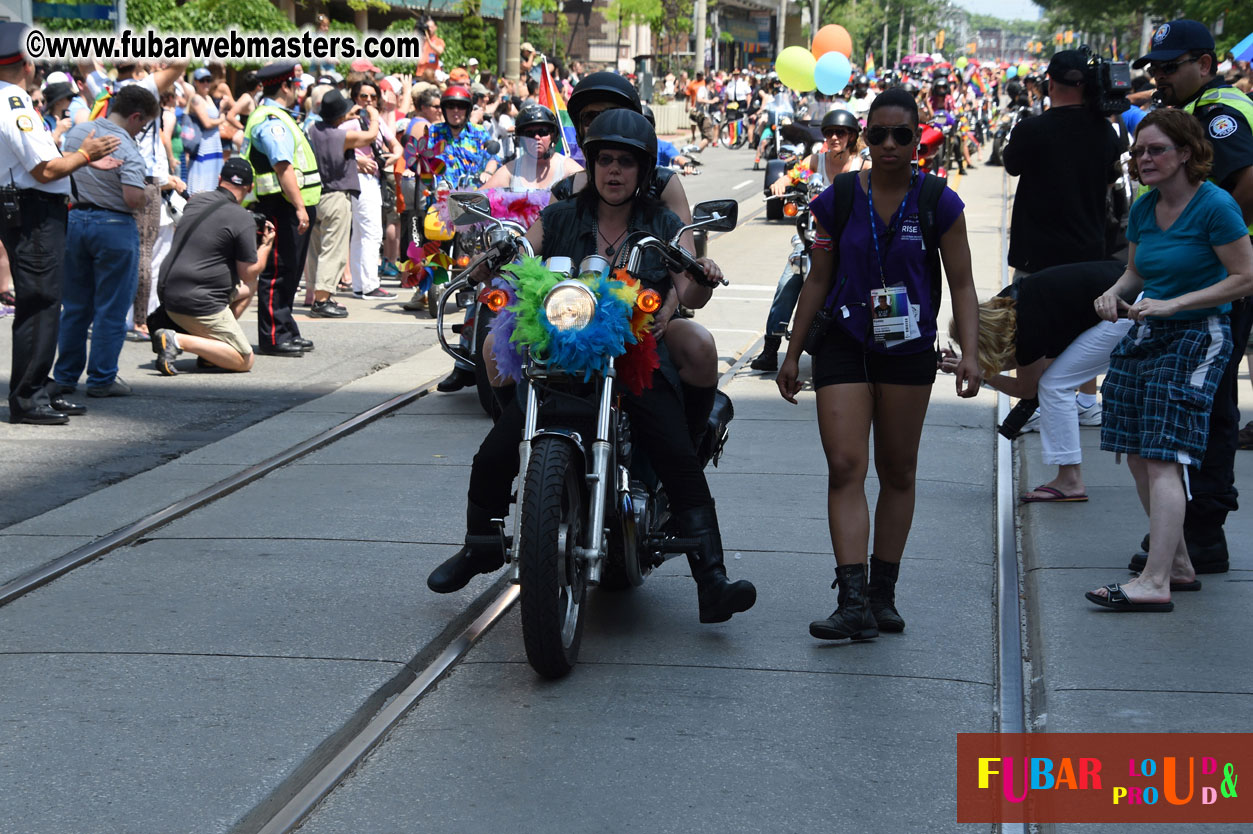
x=211, y=274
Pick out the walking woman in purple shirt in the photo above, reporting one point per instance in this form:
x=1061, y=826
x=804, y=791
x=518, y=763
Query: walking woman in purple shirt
x=877, y=360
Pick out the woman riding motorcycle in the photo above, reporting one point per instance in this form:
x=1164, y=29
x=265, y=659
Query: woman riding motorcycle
x=621, y=150
x=539, y=165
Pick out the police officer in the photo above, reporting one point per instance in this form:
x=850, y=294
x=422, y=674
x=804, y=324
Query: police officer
x=32, y=223
x=1184, y=66
x=288, y=189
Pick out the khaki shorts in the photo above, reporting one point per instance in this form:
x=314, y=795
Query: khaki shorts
x=221, y=326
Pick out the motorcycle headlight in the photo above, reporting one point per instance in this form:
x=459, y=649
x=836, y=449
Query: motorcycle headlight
x=570, y=305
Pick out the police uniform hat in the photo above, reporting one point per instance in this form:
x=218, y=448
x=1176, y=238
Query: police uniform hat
x=272, y=74
x=237, y=171
x=12, y=42
x=1170, y=40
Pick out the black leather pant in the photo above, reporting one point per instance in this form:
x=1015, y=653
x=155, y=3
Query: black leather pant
x=36, y=251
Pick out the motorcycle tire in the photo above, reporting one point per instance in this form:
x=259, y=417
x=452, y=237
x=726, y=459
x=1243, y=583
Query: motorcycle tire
x=432, y=301
x=994, y=158
x=553, y=580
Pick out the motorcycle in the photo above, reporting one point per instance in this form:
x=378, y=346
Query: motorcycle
x=795, y=140
x=591, y=512
x=1008, y=122
x=734, y=132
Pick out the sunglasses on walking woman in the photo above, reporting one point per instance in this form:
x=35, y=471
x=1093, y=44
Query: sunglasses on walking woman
x=901, y=135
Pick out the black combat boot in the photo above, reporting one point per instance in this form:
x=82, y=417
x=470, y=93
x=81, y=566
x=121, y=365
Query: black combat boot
x=1206, y=548
x=718, y=596
x=471, y=559
x=697, y=403
x=881, y=594
x=852, y=617
x=768, y=359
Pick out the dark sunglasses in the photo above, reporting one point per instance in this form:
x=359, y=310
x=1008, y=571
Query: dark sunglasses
x=1170, y=67
x=1154, y=151
x=534, y=132
x=839, y=131
x=586, y=118
x=901, y=134
x=367, y=96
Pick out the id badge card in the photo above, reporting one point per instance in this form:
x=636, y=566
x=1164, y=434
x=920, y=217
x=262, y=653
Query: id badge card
x=890, y=312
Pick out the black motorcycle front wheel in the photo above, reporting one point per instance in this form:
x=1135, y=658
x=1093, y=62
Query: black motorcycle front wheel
x=553, y=577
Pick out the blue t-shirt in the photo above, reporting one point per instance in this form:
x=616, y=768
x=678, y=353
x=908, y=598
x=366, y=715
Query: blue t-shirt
x=1131, y=117
x=1182, y=258
x=666, y=152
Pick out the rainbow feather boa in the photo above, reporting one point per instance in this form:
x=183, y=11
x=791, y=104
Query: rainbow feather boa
x=519, y=206
x=619, y=332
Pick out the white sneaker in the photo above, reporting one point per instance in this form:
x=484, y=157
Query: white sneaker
x=1090, y=416
x=1033, y=423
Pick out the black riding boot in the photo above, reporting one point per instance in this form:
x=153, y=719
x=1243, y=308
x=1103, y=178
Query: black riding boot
x=852, y=617
x=768, y=359
x=881, y=594
x=718, y=596
x=471, y=559
x=1206, y=548
x=697, y=403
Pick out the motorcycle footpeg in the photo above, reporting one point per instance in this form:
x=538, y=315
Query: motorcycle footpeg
x=677, y=544
x=457, y=328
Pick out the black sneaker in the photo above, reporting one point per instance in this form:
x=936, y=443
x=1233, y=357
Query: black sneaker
x=165, y=346
x=328, y=309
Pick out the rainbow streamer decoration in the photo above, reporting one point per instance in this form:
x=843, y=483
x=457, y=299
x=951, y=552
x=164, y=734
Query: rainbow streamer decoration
x=550, y=97
x=976, y=81
x=734, y=127
x=619, y=333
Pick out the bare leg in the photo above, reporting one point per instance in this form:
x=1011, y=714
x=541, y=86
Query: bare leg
x=899, y=411
x=1160, y=485
x=844, y=414
x=694, y=351
x=1069, y=481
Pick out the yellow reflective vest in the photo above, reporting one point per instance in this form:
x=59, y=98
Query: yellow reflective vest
x=304, y=164
x=1230, y=97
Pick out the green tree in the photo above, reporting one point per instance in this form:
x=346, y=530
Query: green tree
x=478, y=38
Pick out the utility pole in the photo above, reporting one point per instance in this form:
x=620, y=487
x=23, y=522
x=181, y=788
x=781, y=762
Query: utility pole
x=700, y=16
x=900, y=33
x=816, y=23
x=781, y=27
x=513, y=38
x=883, y=55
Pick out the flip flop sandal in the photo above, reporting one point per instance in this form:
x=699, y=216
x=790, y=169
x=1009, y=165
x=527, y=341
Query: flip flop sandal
x=1117, y=601
x=1194, y=585
x=1055, y=496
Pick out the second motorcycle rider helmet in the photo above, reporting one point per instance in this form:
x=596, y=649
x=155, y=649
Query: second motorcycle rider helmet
x=601, y=86
x=622, y=129
x=455, y=95
x=840, y=118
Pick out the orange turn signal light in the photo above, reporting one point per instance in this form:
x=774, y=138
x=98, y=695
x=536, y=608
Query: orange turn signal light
x=495, y=299
x=789, y=209
x=649, y=301
x=462, y=262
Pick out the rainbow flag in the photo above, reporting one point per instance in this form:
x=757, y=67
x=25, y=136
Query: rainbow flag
x=550, y=97
x=976, y=81
x=869, y=62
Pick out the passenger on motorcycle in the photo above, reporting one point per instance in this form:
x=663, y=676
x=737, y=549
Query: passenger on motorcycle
x=621, y=150
x=692, y=347
x=539, y=164
x=840, y=130
x=777, y=102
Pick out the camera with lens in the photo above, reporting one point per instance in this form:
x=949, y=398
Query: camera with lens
x=1109, y=82
x=260, y=219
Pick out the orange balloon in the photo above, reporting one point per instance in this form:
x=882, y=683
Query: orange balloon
x=832, y=38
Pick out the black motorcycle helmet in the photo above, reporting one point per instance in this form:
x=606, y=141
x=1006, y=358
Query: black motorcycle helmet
x=622, y=129
x=648, y=114
x=840, y=118
x=601, y=86
x=537, y=114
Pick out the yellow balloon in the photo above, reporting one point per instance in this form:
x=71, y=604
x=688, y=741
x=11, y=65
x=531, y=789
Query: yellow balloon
x=795, y=66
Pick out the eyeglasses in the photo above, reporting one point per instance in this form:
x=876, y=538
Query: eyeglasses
x=901, y=134
x=624, y=161
x=534, y=132
x=1170, y=67
x=367, y=96
x=1154, y=151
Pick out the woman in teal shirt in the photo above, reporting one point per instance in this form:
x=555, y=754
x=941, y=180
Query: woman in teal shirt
x=1190, y=255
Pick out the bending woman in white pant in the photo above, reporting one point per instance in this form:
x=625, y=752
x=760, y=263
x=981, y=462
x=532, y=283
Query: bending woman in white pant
x=1046, y=329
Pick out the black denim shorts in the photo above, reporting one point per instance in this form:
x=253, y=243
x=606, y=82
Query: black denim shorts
x=842, y=359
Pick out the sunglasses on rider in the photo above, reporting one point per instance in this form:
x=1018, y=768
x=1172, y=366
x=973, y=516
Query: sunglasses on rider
x=843, y=132
x=586, y=117
x=1154, y=151
x=1170, y=67
x=901, y=134
x=533, y=132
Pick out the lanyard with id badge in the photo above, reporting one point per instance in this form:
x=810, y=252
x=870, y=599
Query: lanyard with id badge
x=893, y=316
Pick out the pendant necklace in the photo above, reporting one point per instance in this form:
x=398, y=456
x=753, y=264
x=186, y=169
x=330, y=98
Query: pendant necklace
x=608, y=246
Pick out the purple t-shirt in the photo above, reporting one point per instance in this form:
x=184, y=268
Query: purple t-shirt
x=904, y=262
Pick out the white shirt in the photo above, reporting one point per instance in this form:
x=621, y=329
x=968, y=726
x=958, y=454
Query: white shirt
x=25, y=142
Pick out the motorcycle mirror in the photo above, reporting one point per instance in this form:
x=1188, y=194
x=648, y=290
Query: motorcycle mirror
x=469, y=207
x=717, y=215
